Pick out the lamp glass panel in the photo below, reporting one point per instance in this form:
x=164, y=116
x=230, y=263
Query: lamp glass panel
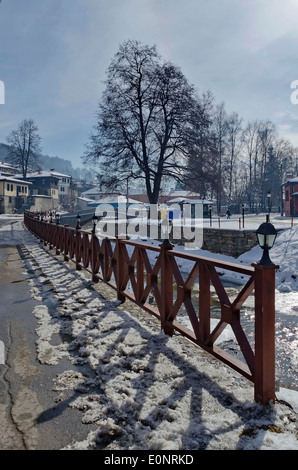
x=261, y=239
x=270, y=240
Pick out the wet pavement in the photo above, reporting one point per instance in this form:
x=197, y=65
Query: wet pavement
x=30, y=417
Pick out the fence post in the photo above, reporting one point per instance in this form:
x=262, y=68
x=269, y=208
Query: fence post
x=166, y=287
x=57, y=237
x=51, y=236
x=120, y=270
x=78, y=249
x=65, y=248
x=46, y=233
x=94, y=256
x=264, y=333
x=204, y=301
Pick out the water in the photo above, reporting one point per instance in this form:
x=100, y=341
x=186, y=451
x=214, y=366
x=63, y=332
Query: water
x=286, y=350
x=286, y=332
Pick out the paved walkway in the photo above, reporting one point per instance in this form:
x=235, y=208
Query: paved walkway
x=30, y=418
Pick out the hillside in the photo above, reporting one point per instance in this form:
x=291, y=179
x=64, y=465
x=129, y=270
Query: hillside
x=59, y=164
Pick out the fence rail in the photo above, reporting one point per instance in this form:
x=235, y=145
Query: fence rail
x=152, y=277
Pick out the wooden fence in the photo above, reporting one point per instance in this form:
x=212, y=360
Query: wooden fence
x=161, y=288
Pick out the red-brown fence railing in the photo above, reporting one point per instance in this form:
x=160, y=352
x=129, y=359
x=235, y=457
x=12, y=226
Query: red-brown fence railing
x=161, y=288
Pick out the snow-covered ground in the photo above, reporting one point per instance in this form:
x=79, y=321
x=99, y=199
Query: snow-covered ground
x=141, y=389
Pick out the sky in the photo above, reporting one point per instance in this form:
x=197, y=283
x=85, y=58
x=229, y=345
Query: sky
x=54, y=55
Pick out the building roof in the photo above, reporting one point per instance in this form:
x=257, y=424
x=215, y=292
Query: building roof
x=190, y=201
x=179, y=193
x=13, y=180
x=7, y=165
x=94, y=191
x=114, y=199
x=291, y=180
x=47, y=173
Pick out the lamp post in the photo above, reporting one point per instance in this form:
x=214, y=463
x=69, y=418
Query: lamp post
x=210, y=215
x=269, y=201
x=266, y=234
x=57, y=218
x=94, y=221
x=242, y=215
x=78, y=222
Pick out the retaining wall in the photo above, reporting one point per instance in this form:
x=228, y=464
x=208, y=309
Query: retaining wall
x=229, y=242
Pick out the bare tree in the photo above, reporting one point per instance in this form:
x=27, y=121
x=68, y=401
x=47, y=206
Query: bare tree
x=219, y=129
x=251, y=143
x=145, y=118
x=234, y=146
x=202, y=175
x=24, y=145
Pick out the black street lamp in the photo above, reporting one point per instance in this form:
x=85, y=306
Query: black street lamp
x=266, y=234
x=269, y=201
x=57, y=218
x=78, y=221
x=242, y=215
x=94, y=221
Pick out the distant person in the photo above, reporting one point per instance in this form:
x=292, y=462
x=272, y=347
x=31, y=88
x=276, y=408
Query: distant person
x=228, y=214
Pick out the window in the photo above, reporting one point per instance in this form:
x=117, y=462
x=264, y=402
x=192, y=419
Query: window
x=10, y=199
x=7, y=187
x=287, y=195
x=11, y=187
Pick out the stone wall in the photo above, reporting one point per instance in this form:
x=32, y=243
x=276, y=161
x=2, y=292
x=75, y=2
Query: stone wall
x=39, y=203
x=224, y=241
x=229, y=242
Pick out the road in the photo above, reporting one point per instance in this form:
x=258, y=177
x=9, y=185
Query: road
x=30, y=418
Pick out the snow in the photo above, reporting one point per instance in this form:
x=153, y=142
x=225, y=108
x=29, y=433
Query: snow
x=6, y=217
x=141, y=389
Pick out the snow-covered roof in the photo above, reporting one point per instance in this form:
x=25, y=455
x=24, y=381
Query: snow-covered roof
x=47, y=173
x=190, y=201
x=114, y=199
x=7, y=165
x=13, y=180
x=86, y=199
x=92, y=191
x=180, y=193
x=291, y=180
